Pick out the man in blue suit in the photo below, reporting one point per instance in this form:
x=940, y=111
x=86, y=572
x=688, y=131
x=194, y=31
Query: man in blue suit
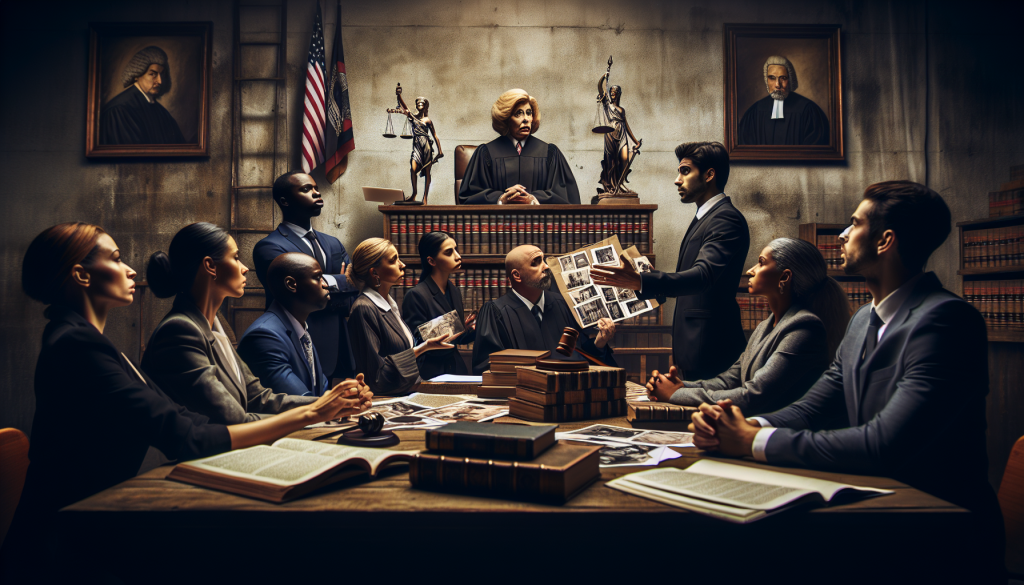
x=905, y=396
x=300, y=201
x=278, y=347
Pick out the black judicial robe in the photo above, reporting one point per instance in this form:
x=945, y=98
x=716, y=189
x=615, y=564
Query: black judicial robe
x=506, y=323
x=804, y=123
x=424, y=302
x=129, y=118
x=541, y=168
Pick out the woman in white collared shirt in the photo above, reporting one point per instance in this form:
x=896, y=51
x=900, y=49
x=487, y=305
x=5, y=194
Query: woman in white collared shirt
x=382, y=344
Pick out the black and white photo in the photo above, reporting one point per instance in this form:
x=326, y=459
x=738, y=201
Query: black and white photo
x=576, y=279
x=608, y=292
x=615, y=312
x=625, y=295
x=638, y=306
x=581, y=260
x=582, y=295
x=605, y=255
x=567, y=264
x=592, y=312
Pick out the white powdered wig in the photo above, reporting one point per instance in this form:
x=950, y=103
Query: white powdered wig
x=780, y=60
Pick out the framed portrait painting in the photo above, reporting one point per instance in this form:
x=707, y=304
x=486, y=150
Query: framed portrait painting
x=783, y=92
x=148, y=89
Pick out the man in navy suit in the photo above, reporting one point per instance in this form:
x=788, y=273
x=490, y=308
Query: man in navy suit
x=300, y=201
x=277, y=347
x=905, y=396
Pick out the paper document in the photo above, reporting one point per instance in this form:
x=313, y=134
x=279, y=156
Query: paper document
x=632, y=436
x=456, y=379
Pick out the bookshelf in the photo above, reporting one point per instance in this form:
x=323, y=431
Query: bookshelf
x=485, y=233
x=992, y=267
x=825, y=236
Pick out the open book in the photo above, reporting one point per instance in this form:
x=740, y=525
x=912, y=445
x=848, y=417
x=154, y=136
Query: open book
x=288, y=469
x=732, y=492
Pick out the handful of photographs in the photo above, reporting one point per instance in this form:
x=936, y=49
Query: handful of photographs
x=426, y=411
x=590, y=302
x=447, y=324
x=625, y=446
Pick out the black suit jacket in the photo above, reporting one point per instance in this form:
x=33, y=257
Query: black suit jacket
x=327, y=327
x=382, y=352
x=424, y=302
x=914, y=411
x=707, y=335
x=506, y=323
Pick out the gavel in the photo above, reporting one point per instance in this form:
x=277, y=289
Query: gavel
x=567, y=343
x=371, y=423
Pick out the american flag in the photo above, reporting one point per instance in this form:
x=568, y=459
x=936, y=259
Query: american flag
x=313, y=118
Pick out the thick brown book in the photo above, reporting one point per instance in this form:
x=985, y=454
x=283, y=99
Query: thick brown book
x=565, y=412
x=495, y=391
x=491, y=378
x=520, y=357
x=548, y=381
x=557, y=475
x=571, y=396
x=473, y=439
x=659, y=416
x=286, y=470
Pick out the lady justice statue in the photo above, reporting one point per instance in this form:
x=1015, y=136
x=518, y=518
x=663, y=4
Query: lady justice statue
x=422, y=157
x=618, y=156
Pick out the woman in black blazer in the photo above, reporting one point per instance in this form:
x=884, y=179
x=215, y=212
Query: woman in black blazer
x=382, y=344
x=96, y=413
x=434, y=296
x=189, y=354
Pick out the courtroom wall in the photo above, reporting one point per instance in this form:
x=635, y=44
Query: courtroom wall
x=928, y=96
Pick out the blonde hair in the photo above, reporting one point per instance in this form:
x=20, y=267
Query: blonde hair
x=368, y=254
x=501, y=111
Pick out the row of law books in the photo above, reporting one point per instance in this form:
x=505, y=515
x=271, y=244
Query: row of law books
x=830, y=249
x=753, y=310
x=1001, y=302
x=498, y=233
x=857, y=293
x=1007, y=202
x=993, y=247
x=480, y=285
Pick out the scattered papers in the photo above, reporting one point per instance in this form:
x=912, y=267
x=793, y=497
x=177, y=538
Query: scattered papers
x=631, y=436
x=616, y=454
x=467, y=411
x=456, y=379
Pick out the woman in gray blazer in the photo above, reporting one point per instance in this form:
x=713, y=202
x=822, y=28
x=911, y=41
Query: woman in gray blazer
x=189, y=355
x=382, y=344
x=789, y=350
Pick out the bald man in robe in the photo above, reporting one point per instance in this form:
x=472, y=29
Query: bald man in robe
x=529, y=316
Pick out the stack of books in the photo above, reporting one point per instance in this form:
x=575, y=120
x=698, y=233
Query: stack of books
x=659, y=416
x=549, y=396
x=1001, y=302
x=500, y=380
x=504, y=461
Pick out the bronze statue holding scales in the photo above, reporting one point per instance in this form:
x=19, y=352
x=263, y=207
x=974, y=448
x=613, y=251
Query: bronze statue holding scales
x=422, y=157
x=618, y=155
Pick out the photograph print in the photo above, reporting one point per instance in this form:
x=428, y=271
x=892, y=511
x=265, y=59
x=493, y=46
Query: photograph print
x=592, y=312
x=566, y=263
x=465, y=411
x=582, y=295
x=624, y=294
x=637, y=306
x=783, y=92
x=606, y=431
x=447, y=324
x=643, y=264
x=609, y=294
x=664, y=438
x=576, y=279
x=581, y=260
x=148, y=89
x=615, y=312
x=605, y=255
x=614, y=455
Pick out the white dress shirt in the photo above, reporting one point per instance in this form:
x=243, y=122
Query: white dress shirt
x=529, y=305
x=225, y=348
x=389, y=305
x=521, y=144
x=886, y=310
x=301, y=232
x=300, y=329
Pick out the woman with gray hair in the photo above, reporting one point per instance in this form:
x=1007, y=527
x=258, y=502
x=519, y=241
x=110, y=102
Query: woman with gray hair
x=789, y=350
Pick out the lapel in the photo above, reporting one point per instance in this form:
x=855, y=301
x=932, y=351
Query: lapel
x=522, y=326
x=278, y=311
x=764, y=345
x=320, y=237
x=692, y=231
x=293, y=240
x=438, y=295
x=391, y=318
x=851, y=361
x=187, y=307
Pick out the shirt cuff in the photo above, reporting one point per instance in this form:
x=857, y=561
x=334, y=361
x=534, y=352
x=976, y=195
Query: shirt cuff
x=761, y=443
x=761, y=421
x=500, y=202
x=331, y=280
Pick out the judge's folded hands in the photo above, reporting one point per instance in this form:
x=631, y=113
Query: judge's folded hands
x=348, y=398
x=517, y=195
x=661, y=387
x=721, y=427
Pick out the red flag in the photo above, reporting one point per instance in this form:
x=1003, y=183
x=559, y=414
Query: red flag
x=313, y=112
x=339, y=137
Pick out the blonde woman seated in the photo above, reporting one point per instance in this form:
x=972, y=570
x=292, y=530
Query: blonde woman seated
x=789, y=350
x=382, y=344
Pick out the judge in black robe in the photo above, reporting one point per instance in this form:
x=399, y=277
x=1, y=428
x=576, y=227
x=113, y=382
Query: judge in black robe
x=803, y=123
x=540, y=168
x=130, y=118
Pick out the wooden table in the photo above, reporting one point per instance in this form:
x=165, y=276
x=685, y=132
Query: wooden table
x=384, y=529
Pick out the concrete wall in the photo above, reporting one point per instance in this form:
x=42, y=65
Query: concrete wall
x=927, y=96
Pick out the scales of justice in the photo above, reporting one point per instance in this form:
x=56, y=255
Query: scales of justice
x=618, y=152
x=419, y=128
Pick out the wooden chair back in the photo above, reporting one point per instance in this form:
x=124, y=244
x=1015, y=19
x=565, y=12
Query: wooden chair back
x=463, y=153
x=13, y=467
x=1011, y=500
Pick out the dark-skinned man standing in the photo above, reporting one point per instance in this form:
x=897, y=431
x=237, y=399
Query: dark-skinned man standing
x=297, y=196
x=707, y=335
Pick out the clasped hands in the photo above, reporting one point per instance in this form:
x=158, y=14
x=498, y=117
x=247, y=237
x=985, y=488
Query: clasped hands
x=517, y=195
x=348, y=398
x=721, y=427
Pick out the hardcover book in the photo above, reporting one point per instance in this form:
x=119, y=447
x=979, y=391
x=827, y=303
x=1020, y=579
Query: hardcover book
x=491, y=378
x=570, y=396
x=659, y=416
x=472, y=439
x=565, y=412
x=557, y=475
x=548, y=381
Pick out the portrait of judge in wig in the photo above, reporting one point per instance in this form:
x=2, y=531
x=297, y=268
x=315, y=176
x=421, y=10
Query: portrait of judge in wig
x=783, y=117
x=135, y=116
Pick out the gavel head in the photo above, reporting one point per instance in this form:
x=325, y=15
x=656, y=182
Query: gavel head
x=567, y=344
x=372, y=423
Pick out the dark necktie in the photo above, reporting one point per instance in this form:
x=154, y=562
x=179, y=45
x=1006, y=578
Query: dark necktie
x=519, y=147
x=316, y=249
x=872, y=341
x=537, y=314
x=307, y=347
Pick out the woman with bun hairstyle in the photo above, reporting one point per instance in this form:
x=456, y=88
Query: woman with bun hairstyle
x=436, y=295
x=382, y=344
x=96, y=412
x=189, y=355
x=789, y=350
